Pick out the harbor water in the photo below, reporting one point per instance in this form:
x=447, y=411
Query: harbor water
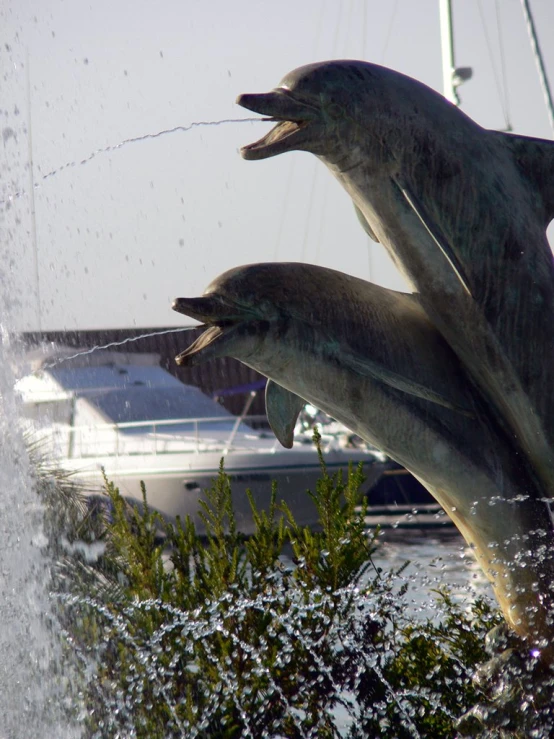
x=433, y=562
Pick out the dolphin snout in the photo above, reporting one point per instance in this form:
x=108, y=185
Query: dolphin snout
x=262, y=103
x=278, y=104
x=204, y=309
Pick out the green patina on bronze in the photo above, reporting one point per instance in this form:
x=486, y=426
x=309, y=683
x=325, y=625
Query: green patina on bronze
x=461, y=210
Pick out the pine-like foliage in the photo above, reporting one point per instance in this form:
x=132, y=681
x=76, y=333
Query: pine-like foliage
x=291, y=632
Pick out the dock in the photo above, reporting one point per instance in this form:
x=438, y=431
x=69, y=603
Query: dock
x=424, y=516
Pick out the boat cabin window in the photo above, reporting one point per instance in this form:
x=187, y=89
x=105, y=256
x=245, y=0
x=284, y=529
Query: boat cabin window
x=47, y=412
x=141, y=404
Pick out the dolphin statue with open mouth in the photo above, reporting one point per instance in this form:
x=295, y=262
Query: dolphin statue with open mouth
x=372, y=359
x=462, y=211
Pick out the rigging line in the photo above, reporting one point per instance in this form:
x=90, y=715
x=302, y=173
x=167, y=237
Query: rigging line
x=492, y=62
x=348, y=24
x=125, y=142
x=365, y=32
x=309, y=211
x=128, y=340
x=389, y=32
x=336, y=36
x=288, y=184
x=321, y=220
x=503, y=66
x=286, y=200
x=364, y=28
x=285, y=208
x=320, y=16
x=539, y=61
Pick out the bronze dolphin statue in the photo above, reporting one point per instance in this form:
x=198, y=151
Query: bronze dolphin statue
x=371, y=359
x=462, y=210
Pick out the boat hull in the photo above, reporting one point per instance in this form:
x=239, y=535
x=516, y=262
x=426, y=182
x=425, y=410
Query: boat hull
x=176, y=487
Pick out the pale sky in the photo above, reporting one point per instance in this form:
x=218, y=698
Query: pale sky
x=119, y=237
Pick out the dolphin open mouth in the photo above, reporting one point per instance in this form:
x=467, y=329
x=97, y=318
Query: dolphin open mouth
x=293, y=121
x=220, y=322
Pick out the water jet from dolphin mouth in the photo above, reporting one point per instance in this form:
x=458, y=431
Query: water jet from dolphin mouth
x=115, y=147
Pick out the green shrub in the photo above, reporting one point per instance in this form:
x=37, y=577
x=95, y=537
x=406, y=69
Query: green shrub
x=291, y=632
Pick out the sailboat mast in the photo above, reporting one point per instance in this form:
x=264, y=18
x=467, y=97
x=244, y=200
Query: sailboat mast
x=447, y=47
x=539, y=60
x=452, y=76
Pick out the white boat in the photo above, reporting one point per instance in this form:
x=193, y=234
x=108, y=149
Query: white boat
x=125, y=415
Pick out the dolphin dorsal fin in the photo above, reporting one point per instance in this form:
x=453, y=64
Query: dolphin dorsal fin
x=535, y=159
x=282, y=408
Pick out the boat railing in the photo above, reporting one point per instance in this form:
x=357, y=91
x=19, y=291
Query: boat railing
x=206, y=434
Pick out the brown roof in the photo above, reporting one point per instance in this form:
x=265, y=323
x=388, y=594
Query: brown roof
x=210, y=377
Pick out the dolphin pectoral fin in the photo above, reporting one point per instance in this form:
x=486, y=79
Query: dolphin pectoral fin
x=535, y=160
x=365, y=225
x=282, y=408
x=404, y=384
x=435, y=234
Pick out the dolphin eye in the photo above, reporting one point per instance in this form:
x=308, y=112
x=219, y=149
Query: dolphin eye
x=265, y=307
x=332, y=110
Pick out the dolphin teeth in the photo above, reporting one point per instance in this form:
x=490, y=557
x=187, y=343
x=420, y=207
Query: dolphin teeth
x=281, y=138
x=291, y=115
